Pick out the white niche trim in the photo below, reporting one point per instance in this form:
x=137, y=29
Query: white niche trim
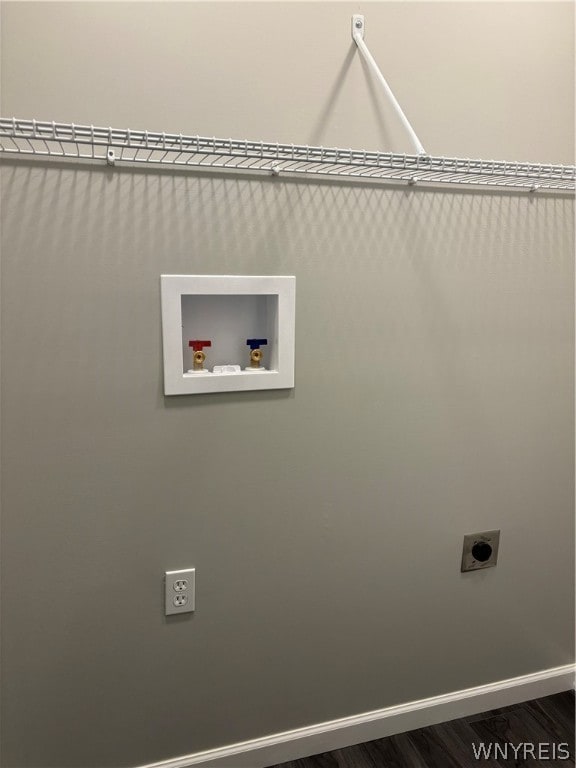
x=227, y=310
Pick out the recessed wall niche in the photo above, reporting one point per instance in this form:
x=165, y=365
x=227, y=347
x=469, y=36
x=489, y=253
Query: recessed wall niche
x=225, y=333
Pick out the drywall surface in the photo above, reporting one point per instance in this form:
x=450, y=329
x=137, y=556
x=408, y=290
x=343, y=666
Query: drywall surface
x=433, y=397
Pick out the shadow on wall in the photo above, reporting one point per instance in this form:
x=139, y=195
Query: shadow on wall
x=405, y=267
x=234, y=216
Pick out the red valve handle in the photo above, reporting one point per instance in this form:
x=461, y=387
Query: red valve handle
x=197, y=345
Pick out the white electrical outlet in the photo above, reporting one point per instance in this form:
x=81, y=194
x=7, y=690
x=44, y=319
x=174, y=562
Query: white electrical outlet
x=179, y=591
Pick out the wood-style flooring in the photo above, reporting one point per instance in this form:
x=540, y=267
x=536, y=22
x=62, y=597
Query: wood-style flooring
x=547, y=721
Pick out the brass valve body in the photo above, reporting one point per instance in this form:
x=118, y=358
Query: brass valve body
x=255, y=357
x=199, y=358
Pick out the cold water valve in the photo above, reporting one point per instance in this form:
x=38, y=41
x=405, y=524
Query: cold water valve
x=256, y=354
x=199, y=356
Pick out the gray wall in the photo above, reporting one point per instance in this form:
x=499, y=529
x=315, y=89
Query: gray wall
x=325, y=522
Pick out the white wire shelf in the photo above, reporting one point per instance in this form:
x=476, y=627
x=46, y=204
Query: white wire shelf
x=114, y=145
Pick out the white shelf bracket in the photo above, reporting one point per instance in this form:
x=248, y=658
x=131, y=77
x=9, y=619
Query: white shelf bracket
x=358, y=27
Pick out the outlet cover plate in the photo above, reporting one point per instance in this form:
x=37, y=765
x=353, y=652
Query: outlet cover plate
x=469, y=562
x=180, y=591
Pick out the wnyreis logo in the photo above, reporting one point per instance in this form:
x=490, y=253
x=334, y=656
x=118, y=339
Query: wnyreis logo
x=525, y=750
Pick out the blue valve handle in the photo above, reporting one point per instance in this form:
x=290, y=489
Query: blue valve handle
x=255, y=343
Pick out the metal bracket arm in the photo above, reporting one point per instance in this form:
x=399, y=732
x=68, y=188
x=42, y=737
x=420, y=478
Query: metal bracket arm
x=358, y=37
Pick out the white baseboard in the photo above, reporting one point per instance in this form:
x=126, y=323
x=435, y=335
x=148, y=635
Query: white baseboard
x=335, y=734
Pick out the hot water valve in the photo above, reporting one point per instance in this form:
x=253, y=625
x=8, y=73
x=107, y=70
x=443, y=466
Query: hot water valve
x=199, y=355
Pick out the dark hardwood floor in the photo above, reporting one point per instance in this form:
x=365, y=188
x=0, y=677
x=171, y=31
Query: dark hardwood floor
x=545, y=724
